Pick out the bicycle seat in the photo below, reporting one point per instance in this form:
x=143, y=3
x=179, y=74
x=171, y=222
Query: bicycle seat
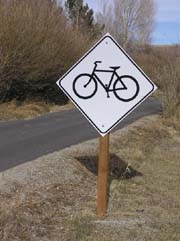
x=114, y=67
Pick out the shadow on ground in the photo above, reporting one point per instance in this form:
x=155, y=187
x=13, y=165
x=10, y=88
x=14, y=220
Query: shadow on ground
x=118, y=168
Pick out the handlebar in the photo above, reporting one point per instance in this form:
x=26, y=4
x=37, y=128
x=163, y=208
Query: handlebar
x=97, y=62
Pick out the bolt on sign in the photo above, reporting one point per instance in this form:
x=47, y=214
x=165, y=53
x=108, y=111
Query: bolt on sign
x=106, y=85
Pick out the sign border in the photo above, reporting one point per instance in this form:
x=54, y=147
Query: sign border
x=154, y=87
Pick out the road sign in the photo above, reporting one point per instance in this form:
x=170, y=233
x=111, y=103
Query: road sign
x=106, y=84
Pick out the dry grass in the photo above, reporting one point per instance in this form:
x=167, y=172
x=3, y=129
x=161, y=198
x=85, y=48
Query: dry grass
x=162, y=64
x=142, y=207
x=147, y=206
x=16, y=110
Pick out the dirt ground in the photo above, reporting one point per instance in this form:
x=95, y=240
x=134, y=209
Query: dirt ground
x=53, y=198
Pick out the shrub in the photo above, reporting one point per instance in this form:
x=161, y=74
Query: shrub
x=168, y=77
x=37, y=45
x=162, y=64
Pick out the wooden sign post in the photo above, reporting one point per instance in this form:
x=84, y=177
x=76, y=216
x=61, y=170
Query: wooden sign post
x=103, y=171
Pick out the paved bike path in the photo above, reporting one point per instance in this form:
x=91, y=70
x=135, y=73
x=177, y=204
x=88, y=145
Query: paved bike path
x=25, y=140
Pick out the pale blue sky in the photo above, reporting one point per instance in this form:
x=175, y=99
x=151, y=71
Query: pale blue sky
x=167, y=28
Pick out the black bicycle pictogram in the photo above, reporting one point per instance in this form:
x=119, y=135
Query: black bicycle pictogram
x=86, y=80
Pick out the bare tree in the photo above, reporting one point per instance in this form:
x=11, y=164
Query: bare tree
x=129, y=21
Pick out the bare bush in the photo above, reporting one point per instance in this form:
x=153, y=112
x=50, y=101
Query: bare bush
x=168, y=77
x=37, y=45
x=162, y=64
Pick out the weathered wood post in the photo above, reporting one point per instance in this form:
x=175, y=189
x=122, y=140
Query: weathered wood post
x=103, y=171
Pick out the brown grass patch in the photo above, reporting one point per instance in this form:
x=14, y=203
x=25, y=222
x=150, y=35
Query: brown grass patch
x=16, y=110
x=143, y=208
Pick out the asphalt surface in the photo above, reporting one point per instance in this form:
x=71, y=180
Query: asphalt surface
x=24, y=140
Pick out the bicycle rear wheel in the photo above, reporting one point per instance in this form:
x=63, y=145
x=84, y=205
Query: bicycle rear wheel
x=85, y=86
x=124, y=94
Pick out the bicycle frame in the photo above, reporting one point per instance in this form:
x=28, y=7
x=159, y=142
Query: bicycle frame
x=106, y=86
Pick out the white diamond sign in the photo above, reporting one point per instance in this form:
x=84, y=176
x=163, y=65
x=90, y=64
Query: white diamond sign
x=106, y=84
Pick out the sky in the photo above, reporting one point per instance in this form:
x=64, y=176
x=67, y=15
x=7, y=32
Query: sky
x=167, y=26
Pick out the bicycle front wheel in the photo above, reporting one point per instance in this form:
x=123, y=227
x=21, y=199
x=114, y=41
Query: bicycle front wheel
x=85, y=86
x=130, y=90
